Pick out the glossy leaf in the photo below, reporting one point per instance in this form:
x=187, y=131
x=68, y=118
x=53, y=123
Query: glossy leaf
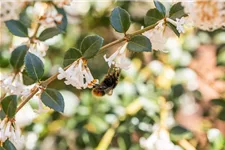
x=49, y=33
x=17, y=57
x=17, y=28
x=171, y=26
x=177, y=11
x=153, y=16
x=53, y=99
x=8, y=145
x=120, y=20
x=91, y=45
x=71, y=55
x=160, y=7
x=9, y=105
x=34, y=66
x=139, y=43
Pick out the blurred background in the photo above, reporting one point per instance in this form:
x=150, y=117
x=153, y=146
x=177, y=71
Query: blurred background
x=189, y=77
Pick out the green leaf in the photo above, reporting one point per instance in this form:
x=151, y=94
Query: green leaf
x=17, y=28
x=160, y=7
x=63, y=25
x=153, y=16
x=49, y=33
x=26, y=79
x=171, y=26
x=53, y=99
x=221, y=115
x=139, y=43
x=120, y=20
x=91, y=45
x=9, y=145
x=179, y=132
x=9, y=105
x=71, y=55
x=220, y=102
x=24, y=19
x=17, y=57
x=177, y=11
x=34, y=66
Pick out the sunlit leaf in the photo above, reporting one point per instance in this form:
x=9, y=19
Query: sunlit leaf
x=120, y=20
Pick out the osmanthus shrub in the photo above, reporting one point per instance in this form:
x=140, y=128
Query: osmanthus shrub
x=50, y=19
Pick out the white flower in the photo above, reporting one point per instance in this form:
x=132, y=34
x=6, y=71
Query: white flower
x=61, y=3
x=9, y=130
x=38, y=48
x=179, y=23
x=159, y=35
x=206, y=15
x=48, y=15
x=158, y=140
x=78, y=75
x=118, y=58
x=15, y=86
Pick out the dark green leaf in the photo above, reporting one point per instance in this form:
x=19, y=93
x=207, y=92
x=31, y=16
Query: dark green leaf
x=160, y=7
x=17, y=28
x=71, y=55
x=91, y=45
x=139, y=43
x=24, y=19
x=2, y=114
x=53, y=99
x=177, y=11
x=26, y=79
x=62, y=26
x=9, y=145
x=220, y=102
x=221, y=115
x=34, y=66
x=179, y=132
x=9, y=105
x=153, y=16
x=120, y=20
x=17, y=57
x=171, y=26
x=2, y=148
x=49, y=33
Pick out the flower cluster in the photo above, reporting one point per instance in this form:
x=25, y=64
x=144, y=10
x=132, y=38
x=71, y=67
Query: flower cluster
x=38, y=48
x=49, y=15
x=78, y=75
x=206, y=15
x=9, y=130
x=159, y=35
x=12, y=84
x=119, y=59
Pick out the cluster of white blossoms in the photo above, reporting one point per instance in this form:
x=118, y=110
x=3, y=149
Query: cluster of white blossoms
x=78, y=75
x=9, y=130
x=48, y=16
x=162, y=32
x=118, y=58
x=38, y=48
x=61, y=3
x=13, y=85
x=158, y=140
x=206, y=15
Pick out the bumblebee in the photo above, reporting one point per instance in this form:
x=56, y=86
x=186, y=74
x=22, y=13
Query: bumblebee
x=108, y=84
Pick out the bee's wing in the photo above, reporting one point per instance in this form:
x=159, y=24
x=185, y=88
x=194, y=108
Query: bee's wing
x=109, y=91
